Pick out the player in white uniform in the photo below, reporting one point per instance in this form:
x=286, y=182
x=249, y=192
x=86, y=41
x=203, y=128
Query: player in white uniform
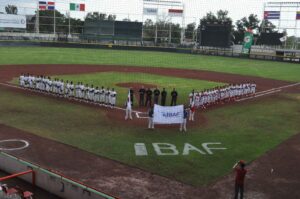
x=102, y=95
x=22, y=80
x=107, y=93
x=113, y=97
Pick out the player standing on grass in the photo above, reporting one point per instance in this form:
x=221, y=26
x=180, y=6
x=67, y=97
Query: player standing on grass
x=240, y=171
x=183, y=124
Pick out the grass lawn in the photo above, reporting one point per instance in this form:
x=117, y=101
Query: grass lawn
x=246, y=131
x=43, y=55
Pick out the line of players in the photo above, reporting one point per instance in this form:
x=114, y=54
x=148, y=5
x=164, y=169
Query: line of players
x=223, y=94
x=67, y=89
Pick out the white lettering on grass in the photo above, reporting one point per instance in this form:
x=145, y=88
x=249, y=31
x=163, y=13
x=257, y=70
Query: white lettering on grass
x=188, y=147
x=169, y=149
x=163, y=149
x=208, y=149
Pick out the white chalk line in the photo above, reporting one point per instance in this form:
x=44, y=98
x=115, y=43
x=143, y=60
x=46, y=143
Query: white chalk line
x=26, y=144
x=268, y=92
x=74, y=99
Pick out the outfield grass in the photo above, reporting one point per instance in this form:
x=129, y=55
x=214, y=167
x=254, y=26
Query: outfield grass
x=247, y=131
x=43, y=55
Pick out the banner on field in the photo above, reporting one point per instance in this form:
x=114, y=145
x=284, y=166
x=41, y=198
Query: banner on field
x=248, y=40
x=12, y=21
x=150, y=11
x=168, y=114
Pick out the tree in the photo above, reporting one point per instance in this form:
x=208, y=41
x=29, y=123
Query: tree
x=163, y=28
x=46, y=23
x=250, y=22
x=96, y=16
x=11, y=9
x=221, y=17
x=267, y=26
x=190, y=29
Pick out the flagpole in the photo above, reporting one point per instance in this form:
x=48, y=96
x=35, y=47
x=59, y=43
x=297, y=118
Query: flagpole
x=37, y=19
x=69, y=24
x=54, y=26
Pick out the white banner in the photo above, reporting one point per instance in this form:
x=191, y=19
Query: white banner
x=150, y=11
x=12, y=21
x=168, y=114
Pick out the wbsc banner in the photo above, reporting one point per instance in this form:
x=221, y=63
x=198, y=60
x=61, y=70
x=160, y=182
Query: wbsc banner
x=12, y=21
x=168, y=114
x=150, y=11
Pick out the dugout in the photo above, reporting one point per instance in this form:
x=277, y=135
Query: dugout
x=288, y=55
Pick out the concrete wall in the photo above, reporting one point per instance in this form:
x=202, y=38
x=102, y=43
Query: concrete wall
x=49, y=181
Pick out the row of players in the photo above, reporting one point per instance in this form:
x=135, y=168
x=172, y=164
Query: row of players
x=68, y=89
x=221, y=94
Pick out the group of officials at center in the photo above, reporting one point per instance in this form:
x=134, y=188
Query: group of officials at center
x=146, y=96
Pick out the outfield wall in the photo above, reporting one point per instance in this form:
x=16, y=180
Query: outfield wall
x=49, y=180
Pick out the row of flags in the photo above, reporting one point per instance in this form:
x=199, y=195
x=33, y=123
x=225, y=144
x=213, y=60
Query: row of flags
x=171, y=12
x=50, y=5
x=276, y=15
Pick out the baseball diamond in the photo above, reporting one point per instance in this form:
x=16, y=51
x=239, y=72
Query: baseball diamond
x=88, y=140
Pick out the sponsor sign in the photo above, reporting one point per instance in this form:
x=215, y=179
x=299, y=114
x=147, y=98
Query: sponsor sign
x=168, y=114
x=12, y=21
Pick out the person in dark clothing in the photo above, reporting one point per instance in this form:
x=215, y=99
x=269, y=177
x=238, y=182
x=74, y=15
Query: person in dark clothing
x=150, y=119
x=131, y=95
x=148, y=97
x=163, y=97
x=156, y=93
x=174, y=95
x=240, y=171
x=142, y=92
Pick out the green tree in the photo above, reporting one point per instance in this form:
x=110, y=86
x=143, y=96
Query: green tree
x=242, y=25
x=220, y=17
x=11, y=9
x=97, y=16
x=190, y=30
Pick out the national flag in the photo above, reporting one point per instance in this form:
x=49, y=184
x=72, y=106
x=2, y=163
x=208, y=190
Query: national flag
x=298, y=15
x=175, y=12
x=46, y=5
x=77, y=7
x=272, y=15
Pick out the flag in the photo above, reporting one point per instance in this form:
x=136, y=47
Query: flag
x=298, y=15
x=175, y=12
x=77, y=7
x=272, y=15
x=248, y=40
x=46, y=5
x=283, y=39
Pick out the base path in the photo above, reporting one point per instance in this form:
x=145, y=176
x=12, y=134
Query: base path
x=7, y=72
x=275, y=175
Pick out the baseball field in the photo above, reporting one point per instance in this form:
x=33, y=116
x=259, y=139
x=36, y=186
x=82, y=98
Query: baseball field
x=245, y=130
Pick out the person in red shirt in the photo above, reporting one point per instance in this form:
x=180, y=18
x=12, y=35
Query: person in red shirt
x=240, y=171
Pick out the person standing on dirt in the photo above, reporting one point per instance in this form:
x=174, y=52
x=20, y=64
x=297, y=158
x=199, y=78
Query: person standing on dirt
x=148, y=97
x=131, y=95
x=174, y=95
x=240, y=171
x=142, y=92
x=150, y=119
x=156, y=93
x=163, y=97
